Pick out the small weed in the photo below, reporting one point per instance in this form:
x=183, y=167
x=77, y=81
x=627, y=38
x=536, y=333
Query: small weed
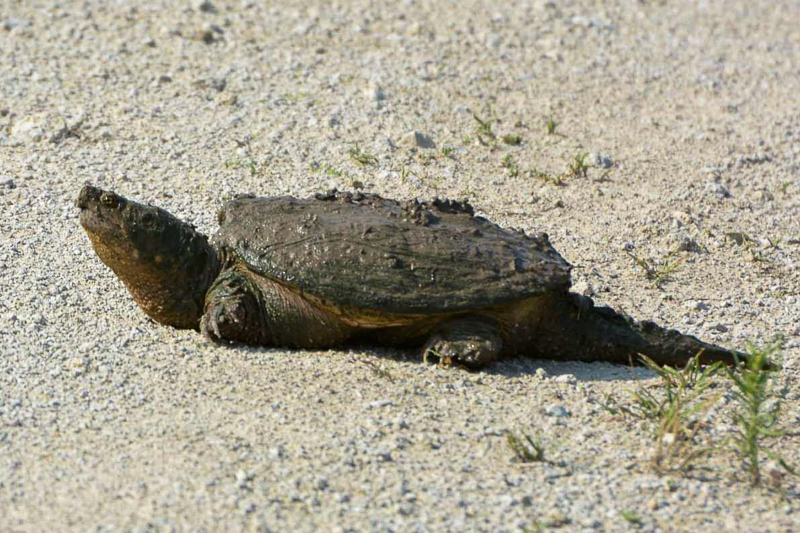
x=555, y=520
x=751, y=245
x=511, y=165
x=404, y=174
x=631, y=517
x=357, y=184
x=755, y=420
x=680, y=387
x=447, y=151
x=536, y=527
x=362, y=158
x=242, y=163
x=294, y=97
x=775, y=243
x=426, y=159
x=677, y=411
x=739, y=238
x=756, y=255
x=551, y=126
x=784, y=186
x=514, y=140
x=548, y=178
x=331, y=170
x=232, y=100
x=604, y=176
x=378, y=370
x=578, y=167
x=484, y=131
x=526, y=448
x=680, y=410
x=657, y=274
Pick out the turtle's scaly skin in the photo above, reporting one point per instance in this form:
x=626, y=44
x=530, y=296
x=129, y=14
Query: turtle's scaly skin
x=318, y=272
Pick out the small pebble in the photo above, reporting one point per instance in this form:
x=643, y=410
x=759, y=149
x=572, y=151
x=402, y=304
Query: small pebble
x=10, y=24
x=415, y=139
x=376, y=95
x=556, y=410
x=688, y=244
x=205, y=6
x=582, y=287
x=718, y=189
x=597, y=159
x=697, y=306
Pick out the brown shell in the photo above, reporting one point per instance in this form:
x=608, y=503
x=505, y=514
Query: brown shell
x=367, y=252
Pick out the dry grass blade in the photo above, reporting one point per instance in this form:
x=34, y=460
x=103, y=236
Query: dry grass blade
x=362, y=158
x=378, y=370
x=526, y=448
x=551, y=126
x=661, y=274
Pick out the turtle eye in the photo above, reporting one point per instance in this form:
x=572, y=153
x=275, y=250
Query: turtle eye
x=108, y=199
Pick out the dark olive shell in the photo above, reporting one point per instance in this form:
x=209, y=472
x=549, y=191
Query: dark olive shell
x=367, y=252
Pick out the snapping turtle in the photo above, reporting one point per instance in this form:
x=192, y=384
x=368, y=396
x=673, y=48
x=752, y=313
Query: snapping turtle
x=338, y=267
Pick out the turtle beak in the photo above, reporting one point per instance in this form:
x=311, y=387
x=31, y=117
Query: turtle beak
x=89, y=195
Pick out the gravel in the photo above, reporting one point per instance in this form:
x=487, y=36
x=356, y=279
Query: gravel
x=109, y=422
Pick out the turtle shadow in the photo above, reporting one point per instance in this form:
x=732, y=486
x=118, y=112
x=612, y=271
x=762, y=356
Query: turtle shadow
x=565, y=370
x=512, y=367
x=519, y=366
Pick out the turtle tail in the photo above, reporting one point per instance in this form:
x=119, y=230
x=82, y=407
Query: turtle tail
x=579, y=330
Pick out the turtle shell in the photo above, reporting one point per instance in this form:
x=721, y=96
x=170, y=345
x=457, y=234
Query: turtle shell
x=367, y=252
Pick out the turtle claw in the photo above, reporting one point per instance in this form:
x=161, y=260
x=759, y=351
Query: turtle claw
x=209, y=324
x=430, y=351
x=472, y=344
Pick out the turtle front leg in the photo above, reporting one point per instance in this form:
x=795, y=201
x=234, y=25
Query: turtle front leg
x=251, y=309
x=472, y=342
x=233, y=311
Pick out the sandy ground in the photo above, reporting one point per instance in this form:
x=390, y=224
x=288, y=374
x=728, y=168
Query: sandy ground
x=109, y=422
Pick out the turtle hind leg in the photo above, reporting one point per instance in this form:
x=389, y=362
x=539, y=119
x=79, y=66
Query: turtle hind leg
x=472, y=342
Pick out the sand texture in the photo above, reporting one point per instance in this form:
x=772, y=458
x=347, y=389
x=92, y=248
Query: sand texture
x=688, y=113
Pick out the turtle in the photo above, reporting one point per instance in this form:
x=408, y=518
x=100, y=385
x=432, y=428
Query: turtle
x=355, y=267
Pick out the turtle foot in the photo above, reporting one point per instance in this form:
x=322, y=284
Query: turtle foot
x=472, y=343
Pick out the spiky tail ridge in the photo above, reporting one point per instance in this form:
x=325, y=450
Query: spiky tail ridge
x=576, y=329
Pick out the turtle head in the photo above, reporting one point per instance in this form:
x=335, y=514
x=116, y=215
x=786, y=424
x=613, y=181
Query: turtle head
x=165, y=263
